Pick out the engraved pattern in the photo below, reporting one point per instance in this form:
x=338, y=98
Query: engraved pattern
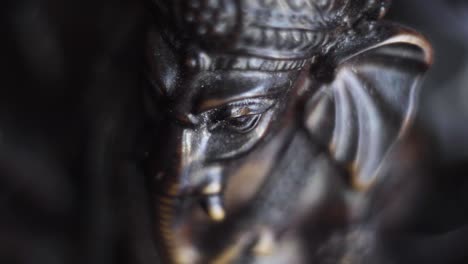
x=303, y=14
x=273, y=29
x=235, y=62
x=288, y=28
x=211, y=18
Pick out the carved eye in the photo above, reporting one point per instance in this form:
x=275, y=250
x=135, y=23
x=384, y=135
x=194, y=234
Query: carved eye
x=240, y=117
x=243, y=124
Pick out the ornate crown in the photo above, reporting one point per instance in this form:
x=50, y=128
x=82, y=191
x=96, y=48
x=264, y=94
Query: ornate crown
x=256, y=34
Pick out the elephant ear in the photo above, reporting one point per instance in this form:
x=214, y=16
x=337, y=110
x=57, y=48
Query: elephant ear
x=371, y=101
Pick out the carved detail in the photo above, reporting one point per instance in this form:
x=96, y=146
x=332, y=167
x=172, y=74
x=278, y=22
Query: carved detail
x=204, y=62
x=275, y=29
x=285, y=96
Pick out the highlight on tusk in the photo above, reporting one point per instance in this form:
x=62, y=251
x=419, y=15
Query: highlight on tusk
x=265, y=244
x=213, y=206
x=212, y=188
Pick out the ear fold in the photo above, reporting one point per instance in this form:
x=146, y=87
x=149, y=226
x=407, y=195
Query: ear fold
x=371, y=101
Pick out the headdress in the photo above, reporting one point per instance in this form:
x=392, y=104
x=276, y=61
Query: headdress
x=267, y=35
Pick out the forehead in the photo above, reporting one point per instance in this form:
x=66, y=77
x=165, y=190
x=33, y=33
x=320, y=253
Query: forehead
x=203, y=90
x=208, y=89
x=199, y=89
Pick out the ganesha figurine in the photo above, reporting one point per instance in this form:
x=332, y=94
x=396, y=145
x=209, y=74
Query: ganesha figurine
x=272, y=119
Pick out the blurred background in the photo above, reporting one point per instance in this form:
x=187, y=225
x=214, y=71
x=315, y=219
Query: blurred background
x=69, y=118
x=444, y=102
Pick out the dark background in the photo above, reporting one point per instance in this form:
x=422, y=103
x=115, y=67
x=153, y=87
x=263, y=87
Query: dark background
x=70, y=191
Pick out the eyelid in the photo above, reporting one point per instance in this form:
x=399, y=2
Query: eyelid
x=243, y=108
x=249, y=108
